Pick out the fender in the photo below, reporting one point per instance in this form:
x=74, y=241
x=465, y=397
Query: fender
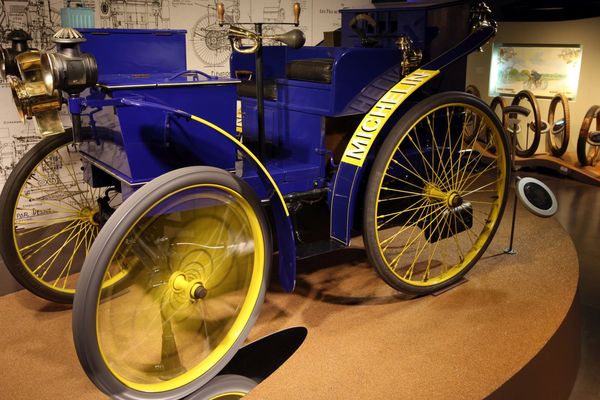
x=283, y=222
x=350, y=171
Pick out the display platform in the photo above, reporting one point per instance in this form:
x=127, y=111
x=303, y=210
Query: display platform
x=567, y=165
x=510, y=331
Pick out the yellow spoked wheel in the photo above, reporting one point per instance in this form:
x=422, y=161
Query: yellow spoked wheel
x=198, y=249
x=50, y=217
x=434, y=200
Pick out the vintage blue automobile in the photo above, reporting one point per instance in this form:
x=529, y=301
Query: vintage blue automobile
x=164, y=213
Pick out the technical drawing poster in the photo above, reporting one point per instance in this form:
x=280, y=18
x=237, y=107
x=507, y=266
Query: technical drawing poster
x=207, y=46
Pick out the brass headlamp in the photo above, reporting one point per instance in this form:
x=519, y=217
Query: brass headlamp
x=68, y=69
x=30, y=95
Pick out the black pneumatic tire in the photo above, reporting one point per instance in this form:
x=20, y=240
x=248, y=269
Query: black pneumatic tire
x=412, y=172
x=224, y=387
x=133, y=222
x=43, y=250
x=529, y=149
x=559, y=150
x=586, y=153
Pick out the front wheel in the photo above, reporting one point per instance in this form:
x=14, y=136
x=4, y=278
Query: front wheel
x=198, y=246
x=434, y=200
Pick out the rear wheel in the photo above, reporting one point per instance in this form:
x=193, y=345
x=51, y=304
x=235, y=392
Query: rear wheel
x=588, y=143
x=528, y=132
x=50, y=217
x=224, y=387
x=199, y=249
x=434, y=200
x=559, y=122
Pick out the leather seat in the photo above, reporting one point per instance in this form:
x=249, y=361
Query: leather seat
x=248, y=89
x=312, y=70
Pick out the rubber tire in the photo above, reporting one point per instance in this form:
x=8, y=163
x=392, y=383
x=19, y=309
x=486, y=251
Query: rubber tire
x=593, y=112
x=8, y=199
x=474, y=90
x=101, y=252
x=386, y=150
x=537, y=117
x=223, y=384
x=499, y=101
x=562, y=99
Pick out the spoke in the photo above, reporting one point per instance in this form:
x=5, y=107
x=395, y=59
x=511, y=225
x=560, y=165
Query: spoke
x=63, y=206
x=46, y=240
x=409, y=163
x=403, y=181
x=468, y=231
x=460, y=181
x=404, y=210
x=417, y=147
x=472, y=178
x=399, y=213
x=55, y=255
x=479, y=189
x=49, y=222
x=407, y=170
x=462, y=256
x=61, y=182
x=432, y=253
x=481, y=202
x=402, y=191
x=75, y=180
x=416, y=257
x=432, y=131
x=67, y=268
x=404, y=228
x=416, y=237
x=409, y=196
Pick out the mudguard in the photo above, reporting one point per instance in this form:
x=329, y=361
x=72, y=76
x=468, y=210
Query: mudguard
x=351, y=169
x=283, y=223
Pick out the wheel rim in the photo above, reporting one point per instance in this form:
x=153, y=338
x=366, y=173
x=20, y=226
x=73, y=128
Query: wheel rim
x=591, y=151
x=528, y=130
x=199, y=256
x=559, y=123
x=56, y=219
x=432, y=185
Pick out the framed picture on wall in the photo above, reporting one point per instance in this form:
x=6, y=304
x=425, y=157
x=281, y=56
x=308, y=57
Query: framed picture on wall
x=544, y=69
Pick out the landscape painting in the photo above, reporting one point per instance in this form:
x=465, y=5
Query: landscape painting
x=544, y=69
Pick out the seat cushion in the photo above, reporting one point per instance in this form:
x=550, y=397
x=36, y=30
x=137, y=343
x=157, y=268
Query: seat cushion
x=248, y=89
x=313, y=70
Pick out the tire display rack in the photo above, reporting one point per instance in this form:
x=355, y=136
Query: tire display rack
x=566, y=165
x=496, y=335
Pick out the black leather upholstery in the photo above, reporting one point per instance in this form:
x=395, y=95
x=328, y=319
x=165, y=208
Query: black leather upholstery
x=248, y=89
x=312, y=70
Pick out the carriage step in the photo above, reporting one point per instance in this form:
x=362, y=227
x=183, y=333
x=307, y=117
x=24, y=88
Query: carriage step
x=306, y=250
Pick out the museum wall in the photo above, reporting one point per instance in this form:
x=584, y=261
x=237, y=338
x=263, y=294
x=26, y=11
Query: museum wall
x=585, y=32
